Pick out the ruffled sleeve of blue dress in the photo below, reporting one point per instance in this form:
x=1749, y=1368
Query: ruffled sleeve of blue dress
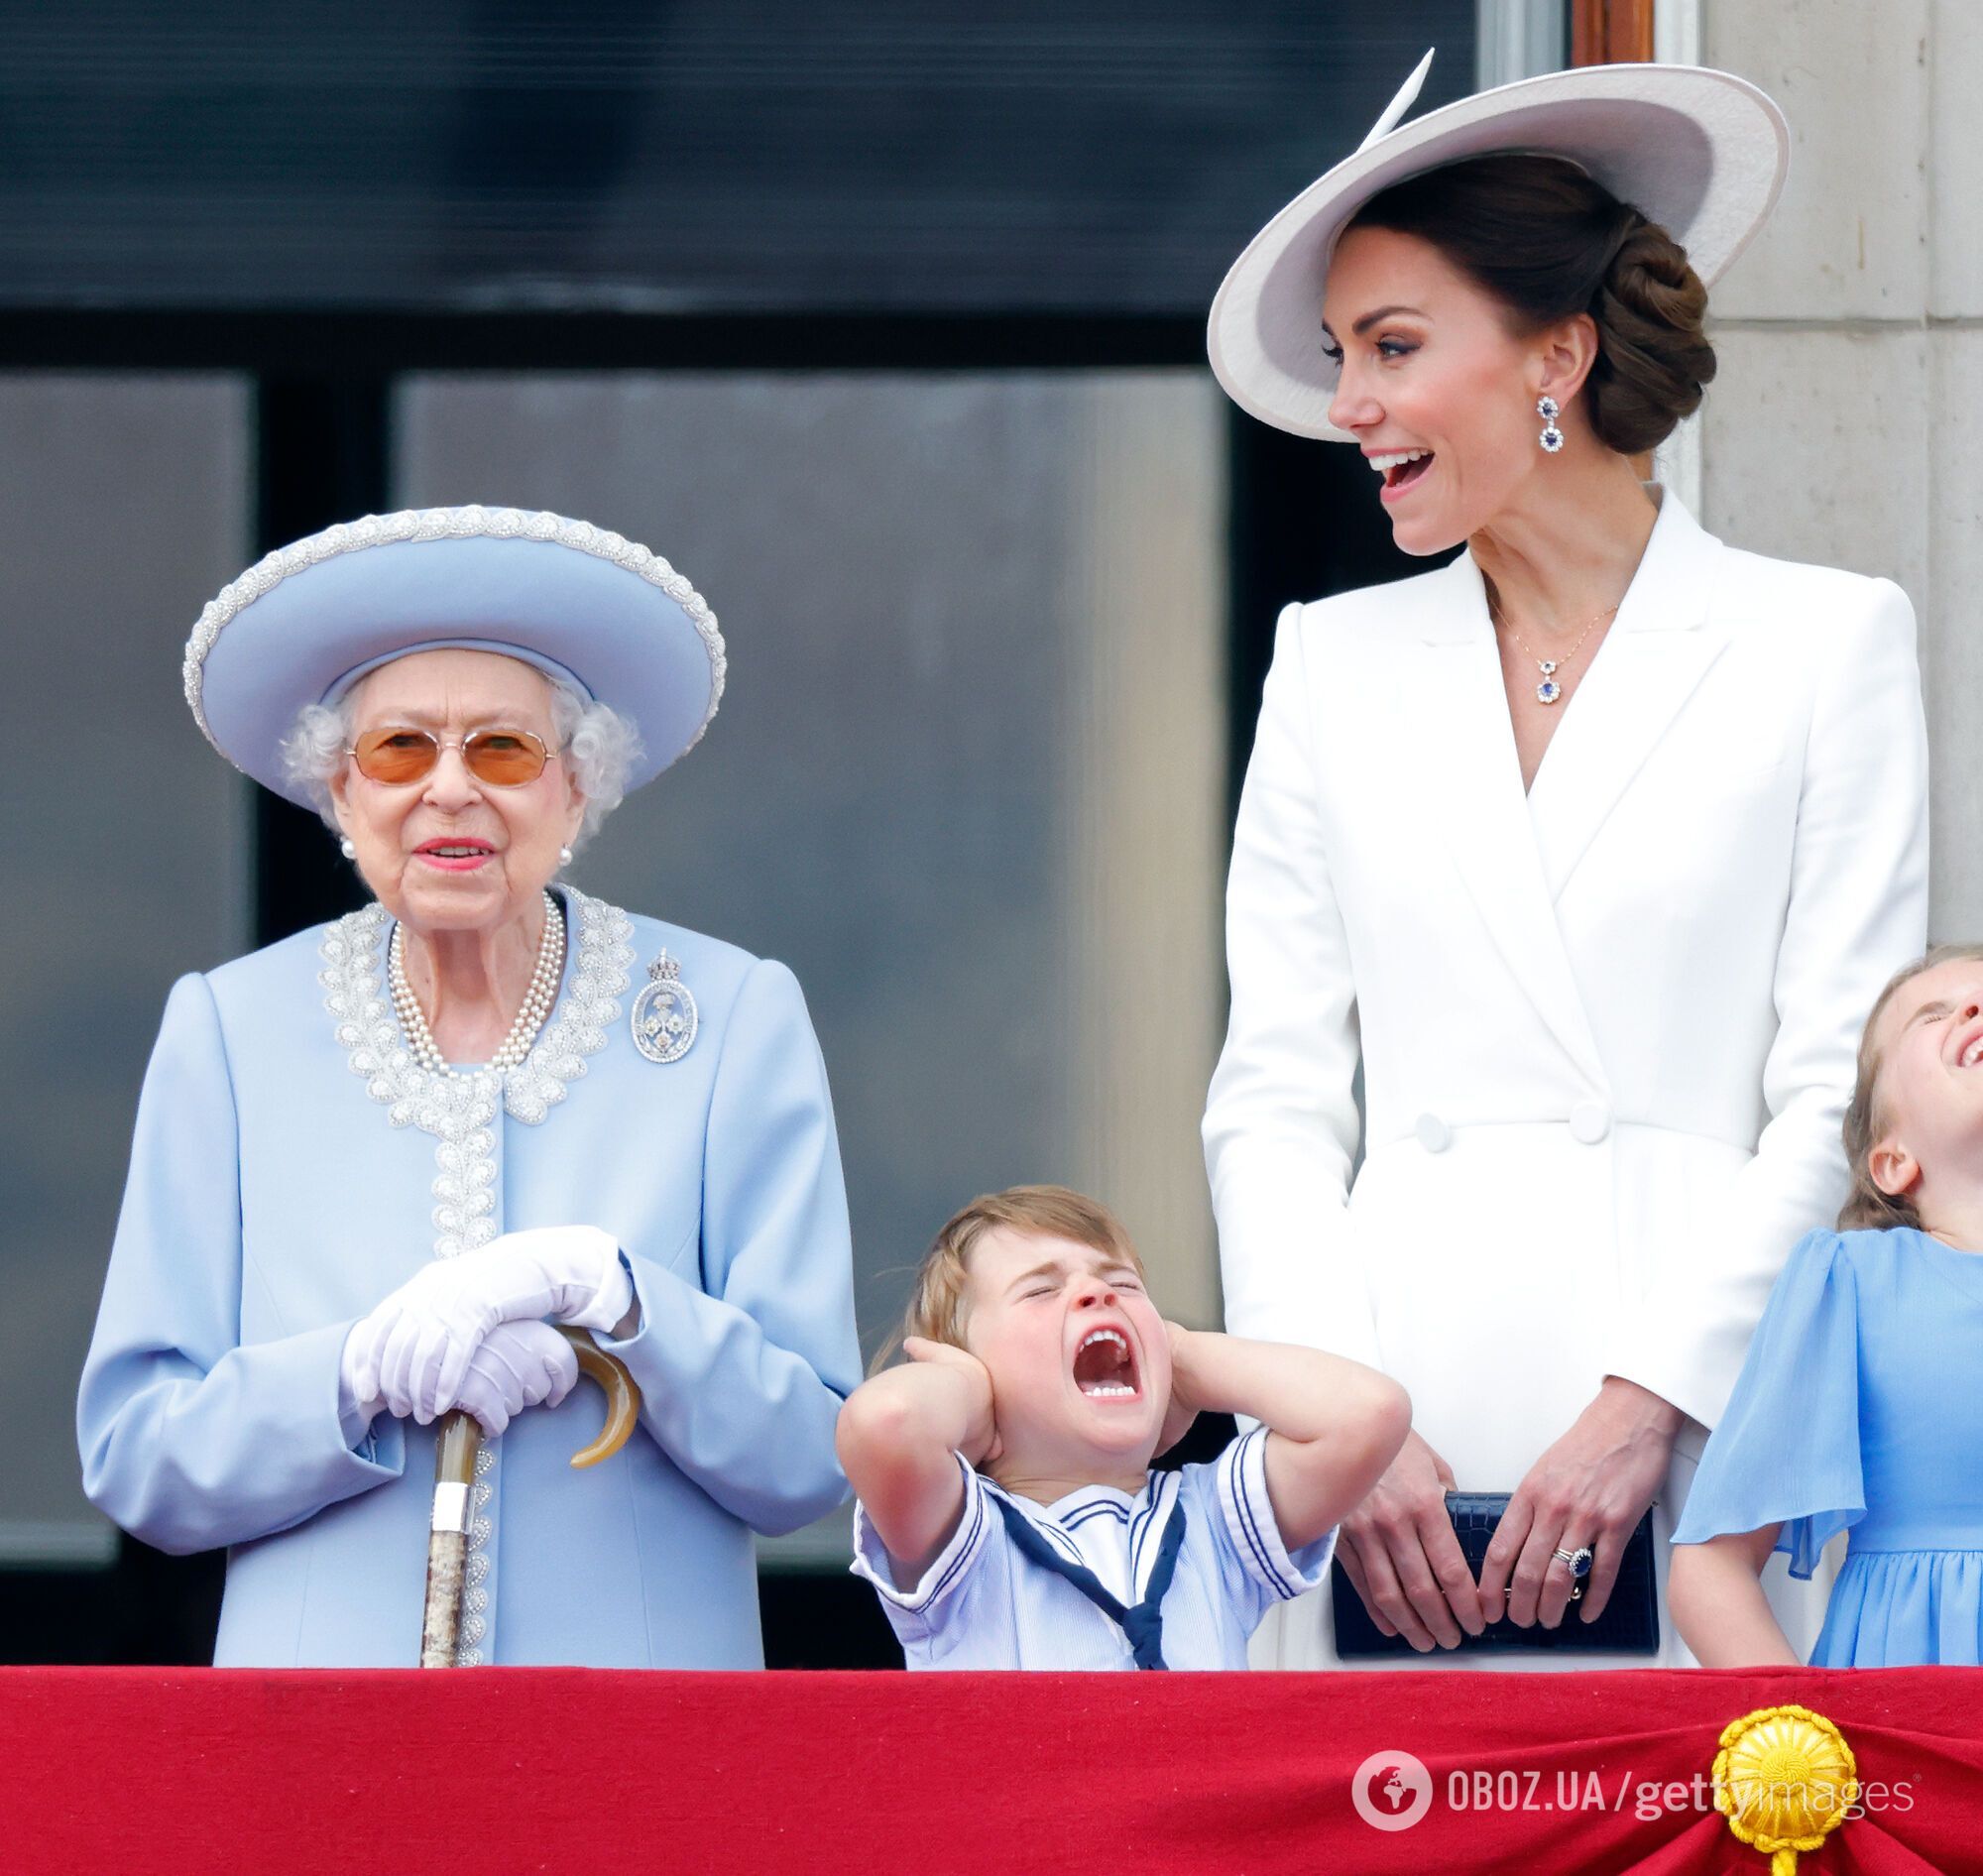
x=1787, y=1450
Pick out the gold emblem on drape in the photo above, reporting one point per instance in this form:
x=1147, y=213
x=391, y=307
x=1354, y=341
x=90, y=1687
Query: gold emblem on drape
x=1784, y=1779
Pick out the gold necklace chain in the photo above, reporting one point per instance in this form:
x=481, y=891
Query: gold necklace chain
x=1549, y=690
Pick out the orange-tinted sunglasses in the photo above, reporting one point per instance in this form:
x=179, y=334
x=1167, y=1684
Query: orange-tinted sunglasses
x=505, y=758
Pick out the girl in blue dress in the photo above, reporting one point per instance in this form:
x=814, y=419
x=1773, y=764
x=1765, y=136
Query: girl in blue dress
x=1859, y=1407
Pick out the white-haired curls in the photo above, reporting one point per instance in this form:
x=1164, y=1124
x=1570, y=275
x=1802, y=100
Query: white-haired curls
x=596, y=742
x=600, y=747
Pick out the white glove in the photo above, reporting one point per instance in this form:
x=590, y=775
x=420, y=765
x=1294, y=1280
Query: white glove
x=413, y=1351
x=516, y=1366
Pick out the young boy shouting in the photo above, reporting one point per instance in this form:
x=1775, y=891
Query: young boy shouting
x=1007, y=1516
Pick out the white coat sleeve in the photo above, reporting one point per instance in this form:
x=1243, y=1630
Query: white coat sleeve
x=743, y=1375
x=1857, y=912
x=190, y=1440
x=1280, y=1122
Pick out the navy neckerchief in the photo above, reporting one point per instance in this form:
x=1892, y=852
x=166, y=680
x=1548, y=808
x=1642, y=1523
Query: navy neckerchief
x=1143, y=1624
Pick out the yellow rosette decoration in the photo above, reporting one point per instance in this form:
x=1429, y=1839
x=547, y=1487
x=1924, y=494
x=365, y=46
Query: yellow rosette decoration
x=1784, y=1779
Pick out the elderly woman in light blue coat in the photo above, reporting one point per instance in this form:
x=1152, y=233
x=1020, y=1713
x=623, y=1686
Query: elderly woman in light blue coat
x=377, y=1162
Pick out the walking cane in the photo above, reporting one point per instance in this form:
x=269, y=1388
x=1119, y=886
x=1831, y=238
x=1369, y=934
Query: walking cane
x=457, y=1441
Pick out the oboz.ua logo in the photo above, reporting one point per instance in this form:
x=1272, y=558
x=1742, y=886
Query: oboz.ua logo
x=1391, y=1790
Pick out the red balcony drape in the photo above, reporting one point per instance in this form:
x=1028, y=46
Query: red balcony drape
x=487, y=1770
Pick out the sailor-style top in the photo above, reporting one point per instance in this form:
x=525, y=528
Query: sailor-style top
x=992, y=1600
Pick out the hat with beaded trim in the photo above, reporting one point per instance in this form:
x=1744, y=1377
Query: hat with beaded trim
x=584, y=606
x=1703, y=153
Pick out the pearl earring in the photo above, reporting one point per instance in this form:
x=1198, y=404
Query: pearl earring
x=564, y=855
x=348, y=847
x=1552, y=437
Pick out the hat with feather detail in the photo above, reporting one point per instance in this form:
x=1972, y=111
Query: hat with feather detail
x=1703, y=153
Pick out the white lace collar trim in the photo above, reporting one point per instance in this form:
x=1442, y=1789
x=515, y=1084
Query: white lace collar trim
x=458, y=1111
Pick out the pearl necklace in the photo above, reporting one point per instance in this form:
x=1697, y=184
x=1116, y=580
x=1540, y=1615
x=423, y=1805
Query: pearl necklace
x=531, y=1018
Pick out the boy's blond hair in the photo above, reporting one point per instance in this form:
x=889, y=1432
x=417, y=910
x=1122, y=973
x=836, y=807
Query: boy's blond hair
x=936, y=1298
x=1867, y=1208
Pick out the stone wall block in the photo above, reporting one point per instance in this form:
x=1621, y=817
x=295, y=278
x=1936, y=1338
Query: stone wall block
x=1955, y=174
x=1952, y=651
x=1848, y=239
x=1815, y=448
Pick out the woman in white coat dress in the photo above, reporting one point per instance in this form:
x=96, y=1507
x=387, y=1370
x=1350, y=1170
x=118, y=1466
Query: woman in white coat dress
x=1591, y=848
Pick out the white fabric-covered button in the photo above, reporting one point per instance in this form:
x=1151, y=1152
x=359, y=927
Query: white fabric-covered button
x=1589, y=1122
x=1434, y=1134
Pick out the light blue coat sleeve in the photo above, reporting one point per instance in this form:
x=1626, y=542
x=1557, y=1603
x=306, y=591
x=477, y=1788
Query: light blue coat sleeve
x=1787, y=1450
x=741, y=1385
x=189, y=1440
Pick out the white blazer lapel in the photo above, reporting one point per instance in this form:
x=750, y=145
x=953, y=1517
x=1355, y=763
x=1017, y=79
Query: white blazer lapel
x=1463, y=754
x=1662, y=644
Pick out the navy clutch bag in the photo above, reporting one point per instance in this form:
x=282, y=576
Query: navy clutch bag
x=1630, y=1624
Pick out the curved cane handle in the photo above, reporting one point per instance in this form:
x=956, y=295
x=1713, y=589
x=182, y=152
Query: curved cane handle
x=623, y=1396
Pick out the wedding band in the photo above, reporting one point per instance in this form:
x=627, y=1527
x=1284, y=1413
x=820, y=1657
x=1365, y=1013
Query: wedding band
x=1577, y=1559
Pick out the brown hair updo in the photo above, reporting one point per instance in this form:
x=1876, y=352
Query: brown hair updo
x=1548, y=241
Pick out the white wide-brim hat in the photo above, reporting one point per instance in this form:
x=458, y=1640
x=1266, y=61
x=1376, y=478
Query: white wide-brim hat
x=1701, y=153
x=584, y=606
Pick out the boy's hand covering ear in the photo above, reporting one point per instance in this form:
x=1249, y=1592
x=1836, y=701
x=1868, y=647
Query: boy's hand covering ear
x=982, y=1446
x=1183, y=1407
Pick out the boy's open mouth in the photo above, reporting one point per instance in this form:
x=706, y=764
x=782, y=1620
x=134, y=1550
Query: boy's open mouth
x=1105, y=1367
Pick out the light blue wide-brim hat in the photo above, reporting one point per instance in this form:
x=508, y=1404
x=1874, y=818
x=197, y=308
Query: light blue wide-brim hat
x=583, y=605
